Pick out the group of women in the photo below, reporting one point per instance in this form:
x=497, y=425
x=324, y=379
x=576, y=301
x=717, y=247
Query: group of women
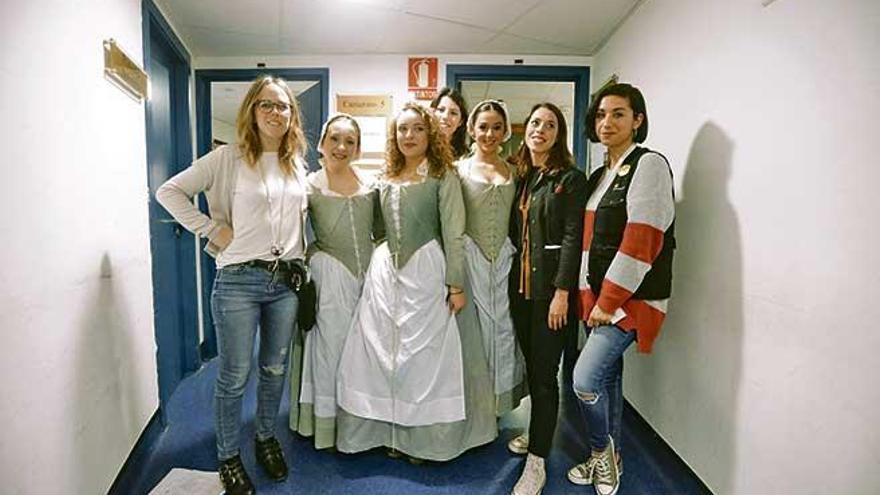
x=446, y=286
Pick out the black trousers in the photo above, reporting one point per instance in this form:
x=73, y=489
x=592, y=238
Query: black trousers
x=542, y=348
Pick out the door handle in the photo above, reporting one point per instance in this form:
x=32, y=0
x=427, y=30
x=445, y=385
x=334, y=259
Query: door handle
x=178, y=231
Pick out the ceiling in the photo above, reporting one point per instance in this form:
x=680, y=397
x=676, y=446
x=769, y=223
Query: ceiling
x=218, y=28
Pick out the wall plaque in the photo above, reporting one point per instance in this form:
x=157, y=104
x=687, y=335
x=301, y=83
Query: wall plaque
x=121, y=70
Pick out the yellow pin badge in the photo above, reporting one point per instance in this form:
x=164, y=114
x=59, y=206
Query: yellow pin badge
x=624, y=169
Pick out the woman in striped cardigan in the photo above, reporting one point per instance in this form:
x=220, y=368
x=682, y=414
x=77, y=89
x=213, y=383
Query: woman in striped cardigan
x=626, y=270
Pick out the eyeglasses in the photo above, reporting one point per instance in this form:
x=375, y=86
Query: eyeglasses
x=267, y=106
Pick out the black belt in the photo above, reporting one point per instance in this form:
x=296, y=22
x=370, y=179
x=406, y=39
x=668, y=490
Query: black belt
x=270, y=266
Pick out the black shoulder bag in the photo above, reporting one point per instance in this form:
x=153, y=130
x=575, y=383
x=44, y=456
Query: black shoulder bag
x=300, y=281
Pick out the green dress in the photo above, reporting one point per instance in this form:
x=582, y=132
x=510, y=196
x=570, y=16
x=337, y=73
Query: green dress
x=344, y=228
x=407, y=379
x=489, y=256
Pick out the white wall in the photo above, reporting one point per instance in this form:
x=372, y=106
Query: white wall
x=77, y=358
x=376, y=74
x=764, y=378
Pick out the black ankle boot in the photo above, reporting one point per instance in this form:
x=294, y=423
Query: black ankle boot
x=234, y=478
x=271, y=458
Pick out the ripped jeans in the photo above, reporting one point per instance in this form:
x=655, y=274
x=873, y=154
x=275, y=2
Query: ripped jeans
x=244, y=299
x=598, y=383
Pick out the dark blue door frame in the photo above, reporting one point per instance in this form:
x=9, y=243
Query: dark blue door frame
x=579, y=75
x=168, y=151
x=203, y=79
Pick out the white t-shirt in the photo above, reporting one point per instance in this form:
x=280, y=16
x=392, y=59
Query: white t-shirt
x=260, y=222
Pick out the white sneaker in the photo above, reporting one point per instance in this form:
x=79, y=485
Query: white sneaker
x=519, y=445
x=582, y=474
x=533, y=478
x=606, y=477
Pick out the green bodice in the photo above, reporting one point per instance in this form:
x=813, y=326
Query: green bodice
x=345, y=227
x=415, y=214
x=488, y=210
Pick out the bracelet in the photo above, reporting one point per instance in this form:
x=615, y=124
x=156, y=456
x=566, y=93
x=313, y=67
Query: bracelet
x=459, y=291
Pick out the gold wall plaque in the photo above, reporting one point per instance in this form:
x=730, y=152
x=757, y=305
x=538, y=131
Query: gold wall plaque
x=124, y=73
x=364, y=105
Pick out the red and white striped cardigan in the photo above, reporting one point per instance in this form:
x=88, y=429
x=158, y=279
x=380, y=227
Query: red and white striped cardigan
x=650, y=211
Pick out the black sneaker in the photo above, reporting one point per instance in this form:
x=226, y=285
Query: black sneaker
x=234, y=478
x=271, y=458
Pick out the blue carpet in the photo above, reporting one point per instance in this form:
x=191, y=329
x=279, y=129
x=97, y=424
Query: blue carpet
x=187, y=441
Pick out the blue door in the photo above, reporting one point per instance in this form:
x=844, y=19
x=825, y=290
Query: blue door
x=310, y=106
x=314, y=103
x=169, y=150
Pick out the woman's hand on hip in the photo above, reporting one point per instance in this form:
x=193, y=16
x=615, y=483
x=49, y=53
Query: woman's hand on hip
x=598, y=317
x=557, y=317
x=223, y=238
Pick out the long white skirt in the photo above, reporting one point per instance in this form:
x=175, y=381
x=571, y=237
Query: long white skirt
x=491, y=314
x=338, y=292
x=401, y=363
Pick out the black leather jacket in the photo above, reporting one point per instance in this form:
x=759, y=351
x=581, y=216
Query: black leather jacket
x=556, y=229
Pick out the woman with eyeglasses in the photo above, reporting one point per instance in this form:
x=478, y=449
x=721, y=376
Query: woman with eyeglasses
x=450, y=110
x=489, y=187
x=257, y=204
x=345, y=222
x=546, y=228
x=400, y=380
x=628, y=243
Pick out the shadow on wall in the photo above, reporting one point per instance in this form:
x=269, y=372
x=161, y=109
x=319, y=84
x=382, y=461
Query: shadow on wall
x=694, y=380
x=105, y=392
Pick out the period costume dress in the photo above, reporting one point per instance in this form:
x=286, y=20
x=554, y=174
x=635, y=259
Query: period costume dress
x=344, y=228
x=401, y=377
x=489, y=256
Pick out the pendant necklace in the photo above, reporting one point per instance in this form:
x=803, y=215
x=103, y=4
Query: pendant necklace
x=275, y=249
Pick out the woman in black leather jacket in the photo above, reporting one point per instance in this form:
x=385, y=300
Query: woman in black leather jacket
x=547, y=230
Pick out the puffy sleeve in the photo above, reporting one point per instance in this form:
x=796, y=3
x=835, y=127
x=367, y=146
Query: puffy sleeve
x=452, y=223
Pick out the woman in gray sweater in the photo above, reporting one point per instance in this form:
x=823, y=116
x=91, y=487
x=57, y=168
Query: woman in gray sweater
x=257, y=202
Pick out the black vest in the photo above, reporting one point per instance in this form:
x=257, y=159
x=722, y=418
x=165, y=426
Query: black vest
x=608, y=229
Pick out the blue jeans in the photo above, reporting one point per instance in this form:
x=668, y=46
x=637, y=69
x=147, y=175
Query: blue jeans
x=598, y=383
x=246, y=298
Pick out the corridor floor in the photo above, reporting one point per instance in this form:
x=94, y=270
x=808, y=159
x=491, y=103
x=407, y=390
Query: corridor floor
x=188, y=442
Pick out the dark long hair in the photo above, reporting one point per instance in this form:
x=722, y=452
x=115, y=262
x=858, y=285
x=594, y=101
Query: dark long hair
x=560, y=156
x=458, y=141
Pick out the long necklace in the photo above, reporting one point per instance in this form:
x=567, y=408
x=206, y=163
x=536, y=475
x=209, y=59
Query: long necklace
x=276, y=249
